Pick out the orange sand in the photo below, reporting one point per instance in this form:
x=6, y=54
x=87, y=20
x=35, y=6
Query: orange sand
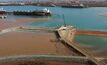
x=91, y=32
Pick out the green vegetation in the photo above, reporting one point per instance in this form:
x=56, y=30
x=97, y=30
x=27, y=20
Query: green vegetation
x=36, y=63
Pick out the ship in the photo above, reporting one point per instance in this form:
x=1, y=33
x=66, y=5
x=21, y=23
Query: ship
x=74, y=6
x=44, y=12
x=3, y=13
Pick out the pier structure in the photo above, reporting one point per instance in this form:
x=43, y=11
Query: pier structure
x=67, y=35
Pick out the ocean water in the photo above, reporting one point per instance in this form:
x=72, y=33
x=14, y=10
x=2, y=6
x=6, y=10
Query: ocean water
x=86, y=18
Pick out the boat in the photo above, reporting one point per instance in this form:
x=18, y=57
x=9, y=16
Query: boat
x=74, y=6
x=3, y=13
x=44, y=12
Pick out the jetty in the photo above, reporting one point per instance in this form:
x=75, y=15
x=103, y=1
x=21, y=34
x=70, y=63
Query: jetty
x=67, y=35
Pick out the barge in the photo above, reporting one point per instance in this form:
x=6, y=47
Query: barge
x=74, y=6
x=44, y=12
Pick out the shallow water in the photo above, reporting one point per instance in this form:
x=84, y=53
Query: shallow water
x=94, y=43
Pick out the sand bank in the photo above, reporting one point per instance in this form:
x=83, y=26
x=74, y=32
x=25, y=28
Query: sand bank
x=91, y=32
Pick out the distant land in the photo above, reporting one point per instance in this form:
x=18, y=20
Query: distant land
x=52, y=0
x=89, y=3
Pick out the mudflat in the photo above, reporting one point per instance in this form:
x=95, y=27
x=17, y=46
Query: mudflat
x=25, y=43
x=7, y=23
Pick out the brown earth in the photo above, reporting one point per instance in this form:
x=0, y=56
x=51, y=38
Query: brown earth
x=25, y=43
x=42, y=62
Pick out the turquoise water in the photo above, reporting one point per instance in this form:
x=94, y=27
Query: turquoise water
x=81, y=18
x=97, y=45
x=86, y=18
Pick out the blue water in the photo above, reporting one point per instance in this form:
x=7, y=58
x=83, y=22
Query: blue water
x=81, y=18
x=86, y=18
